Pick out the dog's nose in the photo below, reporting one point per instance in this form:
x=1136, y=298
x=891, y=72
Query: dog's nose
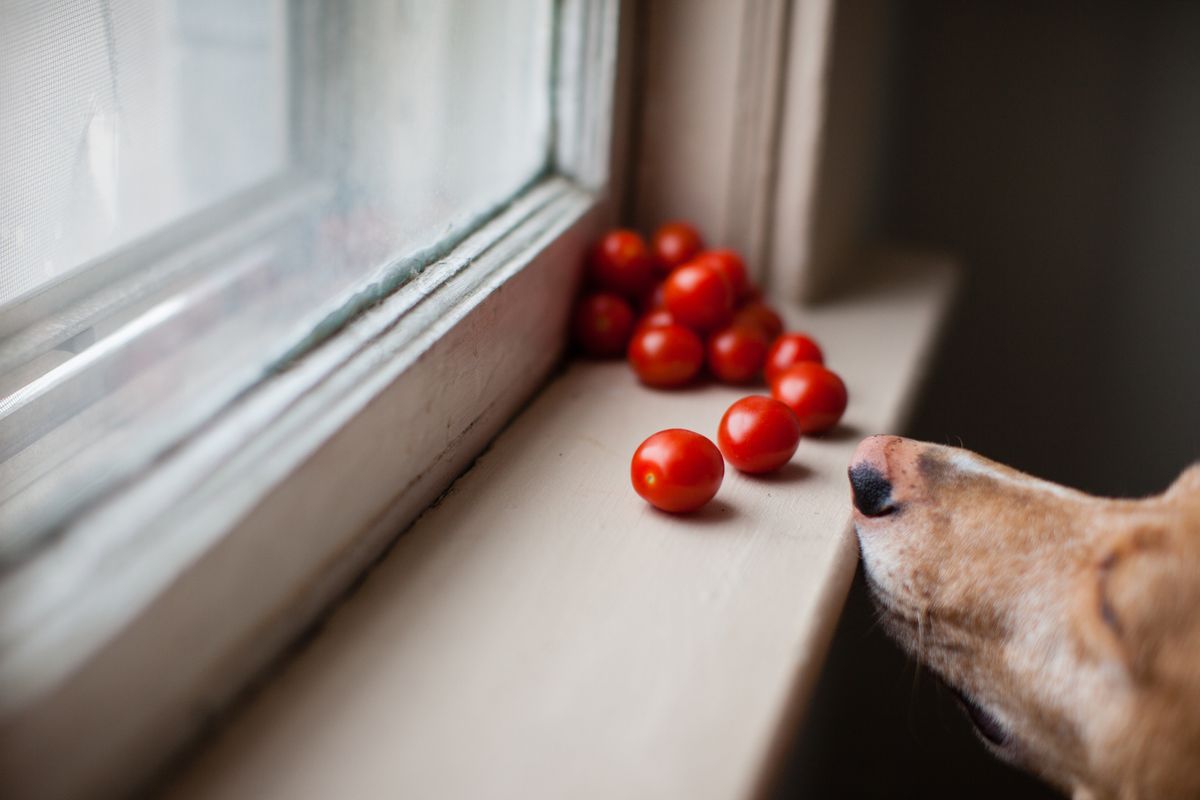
x=872, y=491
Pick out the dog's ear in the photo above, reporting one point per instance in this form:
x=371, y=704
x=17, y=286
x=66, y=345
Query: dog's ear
x=1136, y=594
x=1187, y=485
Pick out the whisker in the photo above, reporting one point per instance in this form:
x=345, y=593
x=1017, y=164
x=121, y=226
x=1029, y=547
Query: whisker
x=876, y=623
x=920, y=656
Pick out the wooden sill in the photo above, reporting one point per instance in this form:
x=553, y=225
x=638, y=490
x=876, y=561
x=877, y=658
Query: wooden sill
x=542, y=632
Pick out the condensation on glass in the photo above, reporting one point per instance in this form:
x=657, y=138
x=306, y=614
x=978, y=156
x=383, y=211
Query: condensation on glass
x=189, y=189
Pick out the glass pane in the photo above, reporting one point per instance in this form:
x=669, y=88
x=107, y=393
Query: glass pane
x=451, y=108
x=257, y=164
x=121, y=116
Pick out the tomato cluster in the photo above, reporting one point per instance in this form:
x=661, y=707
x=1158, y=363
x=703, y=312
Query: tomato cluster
x=674, y=309
x=695, y=307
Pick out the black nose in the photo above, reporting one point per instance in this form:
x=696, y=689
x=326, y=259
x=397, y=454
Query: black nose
x=872, y=492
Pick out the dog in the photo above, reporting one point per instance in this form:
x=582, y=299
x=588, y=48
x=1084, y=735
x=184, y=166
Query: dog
x=1067, y=624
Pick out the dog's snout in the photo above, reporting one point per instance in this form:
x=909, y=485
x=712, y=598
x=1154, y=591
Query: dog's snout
x=872, y=491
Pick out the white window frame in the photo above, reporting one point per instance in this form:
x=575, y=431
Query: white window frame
x=234, y=542
x=778, y=157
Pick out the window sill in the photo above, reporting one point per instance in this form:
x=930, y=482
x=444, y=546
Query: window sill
x=541, y=631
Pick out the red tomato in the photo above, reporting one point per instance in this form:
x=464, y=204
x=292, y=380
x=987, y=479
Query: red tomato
x=698, y=296
x=791, y=349
x=602, y=324
x=673, y=244
x=758, y=434
x=658, y=318
x=736, y=354
x=731, y=266
x=816, y=395
x=666, y=356
x=620, y=262
x=756, y=312
x=677, y=470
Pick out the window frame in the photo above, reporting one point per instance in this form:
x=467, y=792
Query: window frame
x=190, y=259
x=277, y=505
x=782, y=145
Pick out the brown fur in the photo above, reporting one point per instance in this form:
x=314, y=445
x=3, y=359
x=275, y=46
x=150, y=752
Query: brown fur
x=1072, y=621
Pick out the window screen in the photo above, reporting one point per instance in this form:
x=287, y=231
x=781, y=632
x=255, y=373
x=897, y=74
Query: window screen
x=119, y=116
x=189, y=189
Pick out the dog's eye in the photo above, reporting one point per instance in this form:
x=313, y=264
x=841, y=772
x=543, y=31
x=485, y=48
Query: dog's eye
x=1107, y=612
x=984, y=721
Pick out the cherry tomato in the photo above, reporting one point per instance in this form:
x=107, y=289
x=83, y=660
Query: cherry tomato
x=731, y=266
x=791, y=349
x=677, y=470
x=816, y=395
x=665, y=356
x=673, y=244
x=698, y=296
x=758, y=434
x=620, y=262
x=736, y=354
x=602, y=324
x=756, y=312
x=658, y=318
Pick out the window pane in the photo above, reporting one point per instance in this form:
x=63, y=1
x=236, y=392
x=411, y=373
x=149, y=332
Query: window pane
x=120, y=116
x=451, y=107
x=225, y=177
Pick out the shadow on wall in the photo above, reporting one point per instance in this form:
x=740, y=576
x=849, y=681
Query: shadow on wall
x=1056, y=150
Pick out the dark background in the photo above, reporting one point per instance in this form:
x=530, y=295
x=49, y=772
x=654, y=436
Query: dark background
x=1054, y=148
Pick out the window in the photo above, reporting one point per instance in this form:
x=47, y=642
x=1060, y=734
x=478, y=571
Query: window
x=196, y=193
x=122, y=117
x=271, y=274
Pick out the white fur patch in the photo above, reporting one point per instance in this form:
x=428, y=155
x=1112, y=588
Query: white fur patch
x=964, y=462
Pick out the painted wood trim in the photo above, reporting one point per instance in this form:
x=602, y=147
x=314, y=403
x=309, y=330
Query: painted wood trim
x=802, y=126
x=685, y=127
x=723, y=86
x=834, y=119
x=757, y=112
x=760, y=121
x=588, y=34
